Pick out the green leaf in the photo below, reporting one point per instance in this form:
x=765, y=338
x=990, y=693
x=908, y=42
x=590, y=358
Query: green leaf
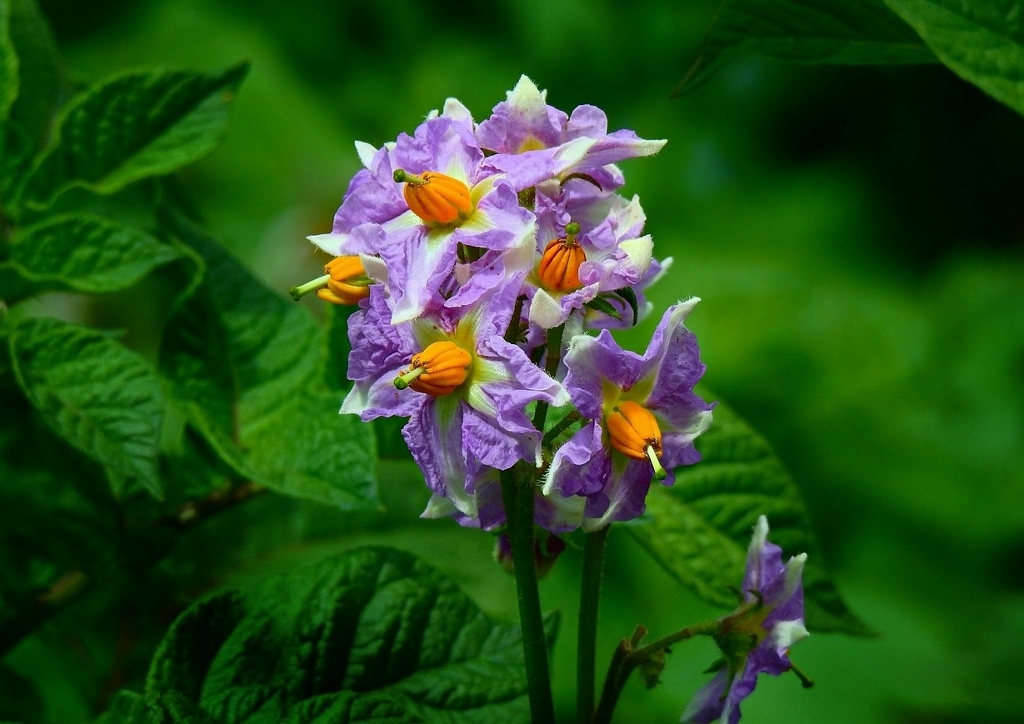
x=19, y=698
x=98, y=396
x=80, y=253
x=338, y=346
x=247, y=368
x=854, y=32
x=390, y=443
x=56, y=511
x=132, y=126
x=127, y=707
x=35, y=90
x=700, y=528
x=372, y=635
x=982, y=42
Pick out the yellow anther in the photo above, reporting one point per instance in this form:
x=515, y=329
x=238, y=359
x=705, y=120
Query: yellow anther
x=344, y=283
x=634, y=432
x=435, y=197
x=437, y=370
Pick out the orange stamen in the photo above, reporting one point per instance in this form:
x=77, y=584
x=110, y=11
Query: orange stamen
x=437, y=370
x=435, y=197
x=634, y=431
x=559, y=269
x=348, y=283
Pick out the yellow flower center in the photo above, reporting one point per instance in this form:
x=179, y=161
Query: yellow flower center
x=345, y=282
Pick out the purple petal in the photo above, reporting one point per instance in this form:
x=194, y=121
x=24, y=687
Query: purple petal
x=434, y=437
x=623, y=496
x=579, y=467
x=591, y=362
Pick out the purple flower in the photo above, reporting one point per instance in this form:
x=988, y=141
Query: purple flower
x=462, y=385
x=644, y=418
x=611, y=252
x=535, y=142
x=755, y=639
x=414, y=256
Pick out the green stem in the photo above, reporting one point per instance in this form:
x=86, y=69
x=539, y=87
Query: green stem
x=517, y=494
x=554, y=349
x=618, y=674
x=561, y=426
x=627, y=657
x=586, y=640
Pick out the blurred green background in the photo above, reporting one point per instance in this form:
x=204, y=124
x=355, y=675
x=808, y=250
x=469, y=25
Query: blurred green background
x=856, y=237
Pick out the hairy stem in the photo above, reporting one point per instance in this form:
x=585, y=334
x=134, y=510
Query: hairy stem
x=629, y=655
x=517, y=491
x=554, y=350
x=561, y=426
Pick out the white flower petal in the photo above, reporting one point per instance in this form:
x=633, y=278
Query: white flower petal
x=545, y=311
x=330, y=242
x=786, y=633
x=366, y=153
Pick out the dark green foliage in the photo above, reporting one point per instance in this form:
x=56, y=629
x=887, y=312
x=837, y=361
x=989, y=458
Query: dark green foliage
x=133, y=126
x=699, y=529
x=248, y=369
x=373, y=635
x=236, y=388
x=98, y=396
x=30, y=88
x=81, y=253
x=848, y=32
x=982, y=41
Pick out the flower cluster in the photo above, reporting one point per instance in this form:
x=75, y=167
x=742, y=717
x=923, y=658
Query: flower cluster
x=479, y=255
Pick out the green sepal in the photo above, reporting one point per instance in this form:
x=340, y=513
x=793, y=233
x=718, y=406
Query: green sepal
x=600, y=304
x=629, y=297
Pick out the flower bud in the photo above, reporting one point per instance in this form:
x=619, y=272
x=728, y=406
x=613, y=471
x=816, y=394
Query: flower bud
x=435, y=197
x=559, y=269
x=437, y=370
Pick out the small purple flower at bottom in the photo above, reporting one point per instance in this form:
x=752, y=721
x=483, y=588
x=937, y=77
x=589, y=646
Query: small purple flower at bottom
x=755, y=639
